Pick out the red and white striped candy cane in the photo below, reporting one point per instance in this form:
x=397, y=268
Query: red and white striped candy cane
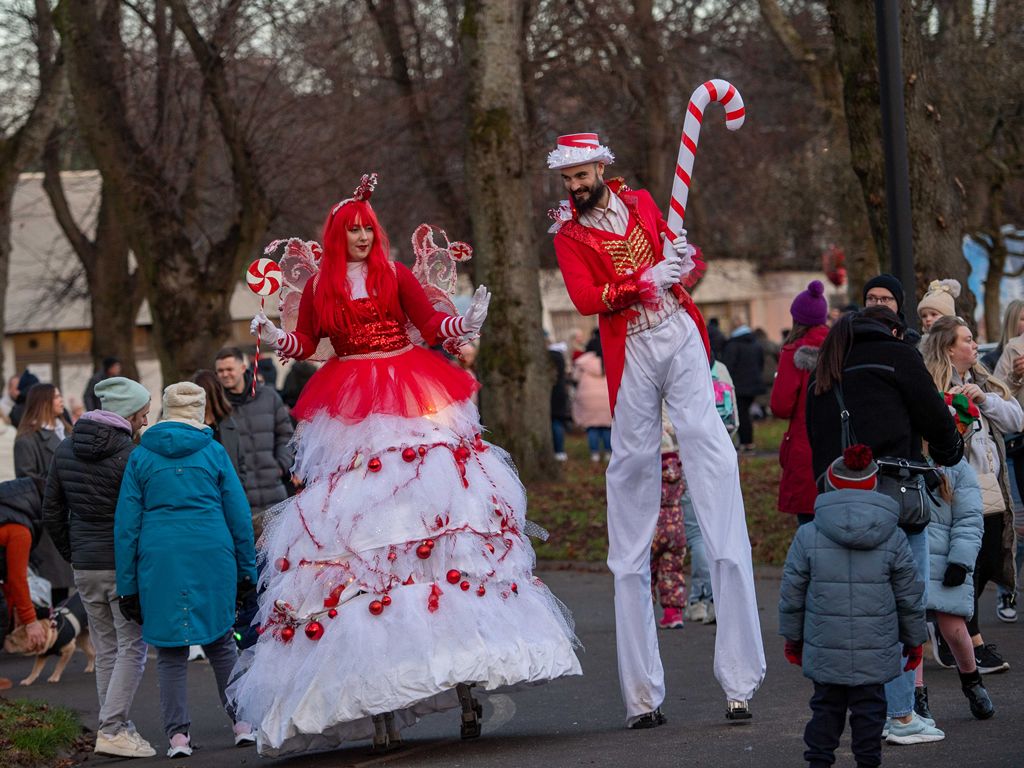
x=713, y=90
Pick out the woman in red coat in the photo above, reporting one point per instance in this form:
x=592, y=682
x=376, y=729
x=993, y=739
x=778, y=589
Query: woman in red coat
x=797, y=361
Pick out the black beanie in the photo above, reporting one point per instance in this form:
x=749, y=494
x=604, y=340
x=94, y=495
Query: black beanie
x=891, y=284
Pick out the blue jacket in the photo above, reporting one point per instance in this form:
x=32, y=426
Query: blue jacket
x=183, y=535
x=850, y=590
x=954, y=536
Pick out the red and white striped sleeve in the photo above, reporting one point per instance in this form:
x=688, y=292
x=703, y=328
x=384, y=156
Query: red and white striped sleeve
x=452, y=327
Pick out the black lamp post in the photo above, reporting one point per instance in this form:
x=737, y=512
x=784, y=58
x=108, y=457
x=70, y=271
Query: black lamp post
x=894, y=137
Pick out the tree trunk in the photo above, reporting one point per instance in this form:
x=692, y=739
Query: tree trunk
x=937, y=217
x=22, y=147
x=514, y=369
x=114, y=291
x=996, y=248
x=937, y=212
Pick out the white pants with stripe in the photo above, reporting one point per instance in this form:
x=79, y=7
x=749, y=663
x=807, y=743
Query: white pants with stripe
x=669, y=362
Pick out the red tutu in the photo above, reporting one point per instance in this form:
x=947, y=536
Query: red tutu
x=412, y=384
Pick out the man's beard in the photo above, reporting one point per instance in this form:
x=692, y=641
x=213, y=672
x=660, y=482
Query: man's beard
x=595, y=196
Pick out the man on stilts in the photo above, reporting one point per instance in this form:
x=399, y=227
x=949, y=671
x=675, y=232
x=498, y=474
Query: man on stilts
x=609, y=246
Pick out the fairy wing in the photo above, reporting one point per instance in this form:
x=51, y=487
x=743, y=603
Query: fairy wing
x=436, y=257
x=299, y=264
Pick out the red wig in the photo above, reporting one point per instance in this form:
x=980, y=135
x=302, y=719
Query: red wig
x=333, y=298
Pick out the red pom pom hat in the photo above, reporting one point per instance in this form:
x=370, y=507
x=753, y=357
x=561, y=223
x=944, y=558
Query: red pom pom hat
x=855, y=469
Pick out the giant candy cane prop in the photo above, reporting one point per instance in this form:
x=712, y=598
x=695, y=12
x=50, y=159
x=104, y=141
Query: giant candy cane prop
x=713, y=90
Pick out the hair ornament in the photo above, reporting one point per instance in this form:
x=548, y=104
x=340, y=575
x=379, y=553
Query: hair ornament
x=362, y=193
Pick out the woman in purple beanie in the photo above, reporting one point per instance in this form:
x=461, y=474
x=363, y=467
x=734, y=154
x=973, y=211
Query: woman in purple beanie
x=797, y=361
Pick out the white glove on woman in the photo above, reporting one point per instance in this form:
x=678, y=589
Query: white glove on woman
x=268, y=332
x=667, y=272
x=474, y=318
x=470, y=323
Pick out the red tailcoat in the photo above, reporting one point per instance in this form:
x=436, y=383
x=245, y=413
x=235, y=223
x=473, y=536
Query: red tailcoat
x=599, y=285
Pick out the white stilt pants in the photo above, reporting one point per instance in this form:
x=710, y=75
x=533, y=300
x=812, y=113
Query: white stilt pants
x=669, y=362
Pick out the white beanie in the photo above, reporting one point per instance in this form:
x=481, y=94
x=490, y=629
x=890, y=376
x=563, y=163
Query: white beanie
x=185, y=402
x=941, y=297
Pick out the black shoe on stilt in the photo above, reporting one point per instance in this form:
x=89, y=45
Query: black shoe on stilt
x=738, y=710
x=472, y=711
x=650, y=720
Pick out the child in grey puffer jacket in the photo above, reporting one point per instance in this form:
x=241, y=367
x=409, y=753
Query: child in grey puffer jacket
x=849, y=597
x=954, y=539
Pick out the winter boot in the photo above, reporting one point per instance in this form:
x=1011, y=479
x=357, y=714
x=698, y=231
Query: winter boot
x=472, y=711
x=977, y=697
x=921, y=702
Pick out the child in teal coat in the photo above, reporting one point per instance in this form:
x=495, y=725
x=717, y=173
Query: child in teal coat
x=184, y=552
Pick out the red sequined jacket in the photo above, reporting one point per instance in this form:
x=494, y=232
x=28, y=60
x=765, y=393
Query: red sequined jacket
x=373, y=334
x=597, y=287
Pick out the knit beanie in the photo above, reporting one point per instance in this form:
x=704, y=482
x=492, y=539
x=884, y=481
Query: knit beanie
x=809, y=307
x=855, y=469
x=941, y=297
x=891, y=284
x=122, y=396
x=185, y=402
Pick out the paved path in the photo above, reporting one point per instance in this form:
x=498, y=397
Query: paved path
x=579, y=721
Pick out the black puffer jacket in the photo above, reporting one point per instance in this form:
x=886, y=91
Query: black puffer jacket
x=20, y=503
x=892, y=400
x=264, y=432
x=744, y=358
x=82, y=490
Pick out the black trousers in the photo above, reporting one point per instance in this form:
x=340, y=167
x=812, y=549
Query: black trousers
x=829, y=704
x=989, y=565
x=746, y=429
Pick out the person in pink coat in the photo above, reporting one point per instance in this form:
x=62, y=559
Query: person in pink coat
x=591, y=408
x=797, y=360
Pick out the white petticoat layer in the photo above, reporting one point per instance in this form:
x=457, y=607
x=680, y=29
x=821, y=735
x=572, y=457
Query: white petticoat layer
x=357, y=534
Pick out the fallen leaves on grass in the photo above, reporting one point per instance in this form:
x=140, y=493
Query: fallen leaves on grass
x=35, y=734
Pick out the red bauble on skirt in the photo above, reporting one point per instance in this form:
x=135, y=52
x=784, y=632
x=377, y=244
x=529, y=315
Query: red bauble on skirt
x=412, y=384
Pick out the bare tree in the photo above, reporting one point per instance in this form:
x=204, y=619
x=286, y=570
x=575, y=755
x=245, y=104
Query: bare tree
x=115, y=291
x=157, y=188
x=20, y=146
x=936, y=209
x=516, y=375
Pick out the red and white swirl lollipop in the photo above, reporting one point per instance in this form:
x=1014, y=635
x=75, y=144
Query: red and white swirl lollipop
x=264, y=279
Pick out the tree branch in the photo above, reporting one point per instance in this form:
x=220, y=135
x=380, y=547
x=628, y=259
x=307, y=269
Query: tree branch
x=82, y=245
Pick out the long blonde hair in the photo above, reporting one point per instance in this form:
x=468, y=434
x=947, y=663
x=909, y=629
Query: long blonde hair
x=935, y=350
x=1010, y=319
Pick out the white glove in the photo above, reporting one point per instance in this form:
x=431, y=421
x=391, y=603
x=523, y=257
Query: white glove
x=667, y=272
x=266, y=330
x=474, y=318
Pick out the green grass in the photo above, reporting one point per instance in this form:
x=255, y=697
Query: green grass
x=33, y=733
x=573, y=508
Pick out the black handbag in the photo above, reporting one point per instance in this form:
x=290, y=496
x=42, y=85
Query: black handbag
x=907, y=482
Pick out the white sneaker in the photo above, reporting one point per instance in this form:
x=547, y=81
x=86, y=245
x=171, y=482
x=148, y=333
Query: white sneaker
x=124, y=743
x=917, y=731
x=561, y=457
x=195, y=653
x=243, y=734
x=696, y=611
x=710, y=618
x=595, y=457
x=181, y=746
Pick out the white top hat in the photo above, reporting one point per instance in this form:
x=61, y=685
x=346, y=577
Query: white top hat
x=577, y=149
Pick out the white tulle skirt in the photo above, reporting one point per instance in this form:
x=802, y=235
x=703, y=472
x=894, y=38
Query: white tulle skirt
x=402, y=570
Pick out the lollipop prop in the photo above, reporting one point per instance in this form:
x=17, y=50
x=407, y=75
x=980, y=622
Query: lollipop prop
x=713, y=90
x=264, y=279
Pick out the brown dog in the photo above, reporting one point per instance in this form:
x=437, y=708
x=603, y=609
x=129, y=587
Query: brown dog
x=67, y=631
